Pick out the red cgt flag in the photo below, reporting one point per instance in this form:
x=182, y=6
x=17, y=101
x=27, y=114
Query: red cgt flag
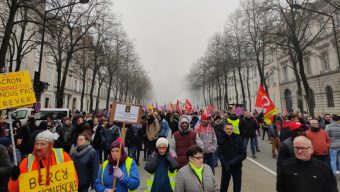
x=263, y=101
x=188, y=106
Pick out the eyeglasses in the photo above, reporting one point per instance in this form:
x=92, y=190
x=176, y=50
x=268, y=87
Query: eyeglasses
x=303, y=149
x=162, y=147
x=228, y=128
x=198, y=158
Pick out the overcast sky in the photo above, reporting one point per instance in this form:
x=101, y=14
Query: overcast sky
x=170, y=35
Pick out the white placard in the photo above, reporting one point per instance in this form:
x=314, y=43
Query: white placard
x=126, y=113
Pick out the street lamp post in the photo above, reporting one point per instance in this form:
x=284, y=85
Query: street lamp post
x=37, y=83
x=297, y=6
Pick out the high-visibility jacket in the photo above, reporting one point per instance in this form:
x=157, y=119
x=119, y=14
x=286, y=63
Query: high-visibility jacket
x=236, y=125
x=128, y=163
x=29, y=164
x=149, y=181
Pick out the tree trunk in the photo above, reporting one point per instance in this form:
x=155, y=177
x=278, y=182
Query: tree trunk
x=7, y=35
x=235, y=85
x=248, y=89
x=108, y=93
x=98, y=96
x=83, y=91
x=61, y=91
x=242, y=86
x=226, y=99
x=299, y=88
x=309, y=95
x=21, y=42
x=92, y=85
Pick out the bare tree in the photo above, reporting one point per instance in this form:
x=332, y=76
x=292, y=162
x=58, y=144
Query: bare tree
x=297, y=29
x=73, y=24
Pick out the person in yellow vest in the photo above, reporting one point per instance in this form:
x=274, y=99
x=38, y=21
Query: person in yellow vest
x=161, y=167
x=235, y=121
x=126, y=173
x=43, y=156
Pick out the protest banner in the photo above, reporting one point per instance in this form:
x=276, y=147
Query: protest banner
x=125, y=113
x=16, y=90
x=63, y=179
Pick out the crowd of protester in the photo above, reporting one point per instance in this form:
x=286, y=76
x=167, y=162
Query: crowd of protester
x=181, y=150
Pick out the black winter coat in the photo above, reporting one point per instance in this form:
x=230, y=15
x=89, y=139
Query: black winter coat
x=230, y=150
x=301, y=176
x=86, y=163
x=248, y=127
x=97, y=142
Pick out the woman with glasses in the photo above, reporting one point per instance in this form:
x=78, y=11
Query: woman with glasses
x=231, y=154
x=161, y=167
x=195, y=176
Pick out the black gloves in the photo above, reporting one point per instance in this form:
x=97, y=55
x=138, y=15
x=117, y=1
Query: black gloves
x=15, y=172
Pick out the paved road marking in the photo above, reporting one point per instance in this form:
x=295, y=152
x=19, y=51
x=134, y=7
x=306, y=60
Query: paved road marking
x=262, y=166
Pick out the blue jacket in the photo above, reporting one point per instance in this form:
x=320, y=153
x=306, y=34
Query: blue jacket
x=164, y=129
x=129, y=182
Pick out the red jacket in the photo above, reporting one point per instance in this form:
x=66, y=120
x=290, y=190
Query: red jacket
x=320, y=141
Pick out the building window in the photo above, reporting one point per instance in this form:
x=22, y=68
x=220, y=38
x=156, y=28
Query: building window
x=47, y=100
x=329, y=95
x=324, y=61
x=288, y=100
x=75, y=85
x=308, y=68
x=285, y=73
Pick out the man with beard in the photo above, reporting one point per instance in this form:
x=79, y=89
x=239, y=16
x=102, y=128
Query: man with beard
x=182, y=140
x=320, y=141
x=327, y=119
x=43, y=156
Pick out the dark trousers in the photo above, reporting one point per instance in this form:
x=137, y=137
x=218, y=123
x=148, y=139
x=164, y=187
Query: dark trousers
x=146, y=143
x=132, y=152
x=100, y=155
x=151, y=147
x=209, y=159
x=264, y=130
x=226, y=175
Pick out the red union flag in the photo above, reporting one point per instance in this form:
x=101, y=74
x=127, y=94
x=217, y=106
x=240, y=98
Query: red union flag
x=188, y=106
x=263, y=101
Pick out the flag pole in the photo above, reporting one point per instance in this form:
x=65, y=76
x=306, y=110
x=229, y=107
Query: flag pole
x=120, y=154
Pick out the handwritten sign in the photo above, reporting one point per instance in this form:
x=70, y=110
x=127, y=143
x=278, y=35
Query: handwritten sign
x=128, y=113
x=16, y=90
x=62, y=179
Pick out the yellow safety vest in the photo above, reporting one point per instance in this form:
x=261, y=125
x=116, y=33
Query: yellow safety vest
x=58, y=153
x=235, y=123
x=128, y=163
x=172, y=177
